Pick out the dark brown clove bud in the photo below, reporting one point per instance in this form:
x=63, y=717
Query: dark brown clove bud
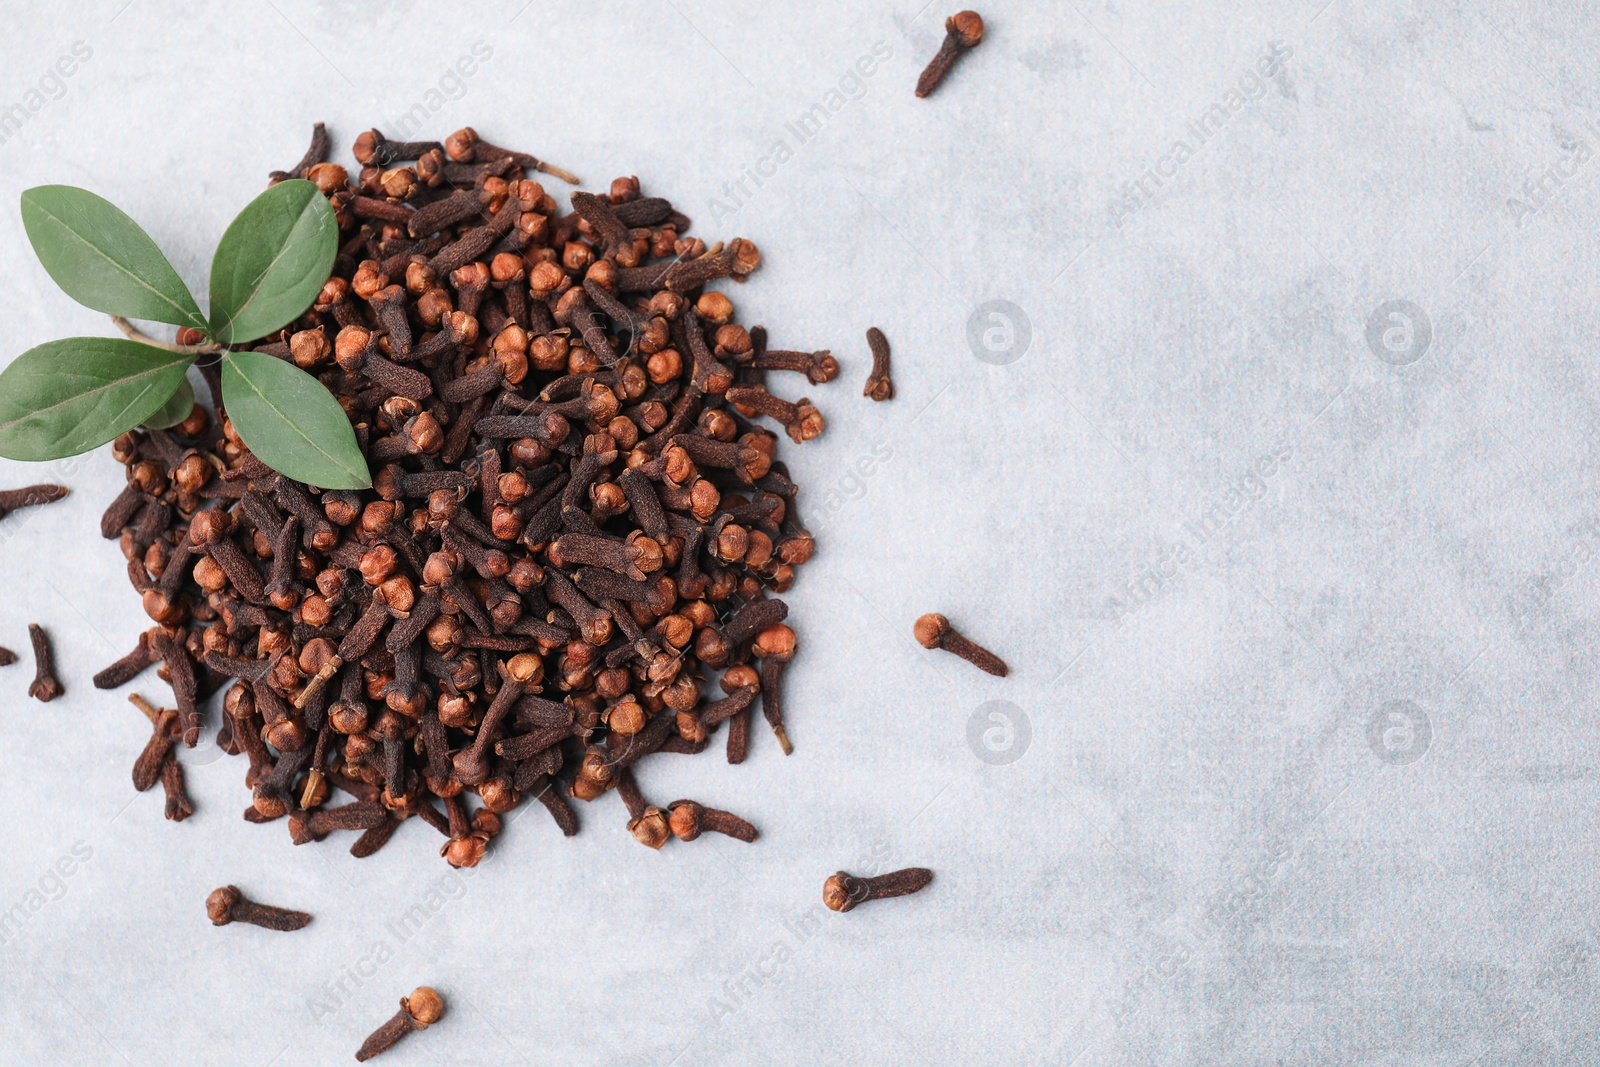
x=227, y=904
x=962, y=31
x=46, y=686
x=651, y=829
x=934, y=631
x=419, y=1011
x=11, y=499
x=690, y=819
x=179, y=806
x=879, y=384
x=163, y=721
x=843, y=891
x=128, y=667
x=802, y=421
x=521, y=673
x=317, y=153
x=374, y=149
x=775, y=646
x=647, y=823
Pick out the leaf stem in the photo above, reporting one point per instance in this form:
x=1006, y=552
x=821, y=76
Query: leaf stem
x=133, y=333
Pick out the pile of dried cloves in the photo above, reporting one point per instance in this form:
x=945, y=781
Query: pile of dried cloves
x=575, y=519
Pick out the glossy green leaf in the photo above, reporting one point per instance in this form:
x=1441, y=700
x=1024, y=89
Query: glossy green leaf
x=102, y=258
x=291, y=422
x=175, y=410
x=272, y=261
x=67, y=397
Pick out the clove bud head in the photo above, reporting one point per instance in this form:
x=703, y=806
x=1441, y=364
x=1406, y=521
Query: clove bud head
x=424, y=1005
x=930, y=630
x=220, y=905
x=966, y=27
x=841, y=892
x=651, y=828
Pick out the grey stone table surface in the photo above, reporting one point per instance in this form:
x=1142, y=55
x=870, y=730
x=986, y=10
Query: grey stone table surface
x=1247, y=405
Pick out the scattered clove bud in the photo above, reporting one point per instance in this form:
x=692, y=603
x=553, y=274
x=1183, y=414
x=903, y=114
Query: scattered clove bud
x=962, y=32
x=179, y=806
x=148, y=767
x=128, y=667
x=690, y=819
x=879, y=385
x=46, y=686
x=12, y=499
x=227, y=904
x=843, y=891
x=934, y=631
x=417, y=1012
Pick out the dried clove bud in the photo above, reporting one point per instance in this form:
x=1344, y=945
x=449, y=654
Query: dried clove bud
x=962, y=32
x=934, y=631
x=690, y=819
x=419, y=1011
x=879, y=385
x=227, y=904
x=33, y=495
x=843, y=891
x=46, y=686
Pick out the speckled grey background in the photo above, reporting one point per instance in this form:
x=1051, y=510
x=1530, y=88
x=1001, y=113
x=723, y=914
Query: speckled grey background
x=1273, y=477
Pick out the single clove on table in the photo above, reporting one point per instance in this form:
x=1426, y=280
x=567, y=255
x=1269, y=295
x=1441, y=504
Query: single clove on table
x=963, y=31
x=228, y=905
x=934, y=631
x=879, y=385
x=29, y=496
x=46, y=686
x=578, y=519
x=420, y=1010
x=843, y=891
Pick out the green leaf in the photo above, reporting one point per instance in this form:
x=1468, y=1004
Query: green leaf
x=175, y=410
x=67, y=397
x=291, y=422
x=272, y=262
x=102, y=259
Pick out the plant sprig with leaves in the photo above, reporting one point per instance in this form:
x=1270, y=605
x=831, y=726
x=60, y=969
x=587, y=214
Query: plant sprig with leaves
x=70, y=396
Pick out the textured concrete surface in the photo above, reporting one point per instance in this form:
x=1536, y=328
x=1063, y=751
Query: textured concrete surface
x=1272, y=473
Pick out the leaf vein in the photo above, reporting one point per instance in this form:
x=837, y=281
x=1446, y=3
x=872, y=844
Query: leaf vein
x=106, y=386
x=276, y=410
x=58, y=220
